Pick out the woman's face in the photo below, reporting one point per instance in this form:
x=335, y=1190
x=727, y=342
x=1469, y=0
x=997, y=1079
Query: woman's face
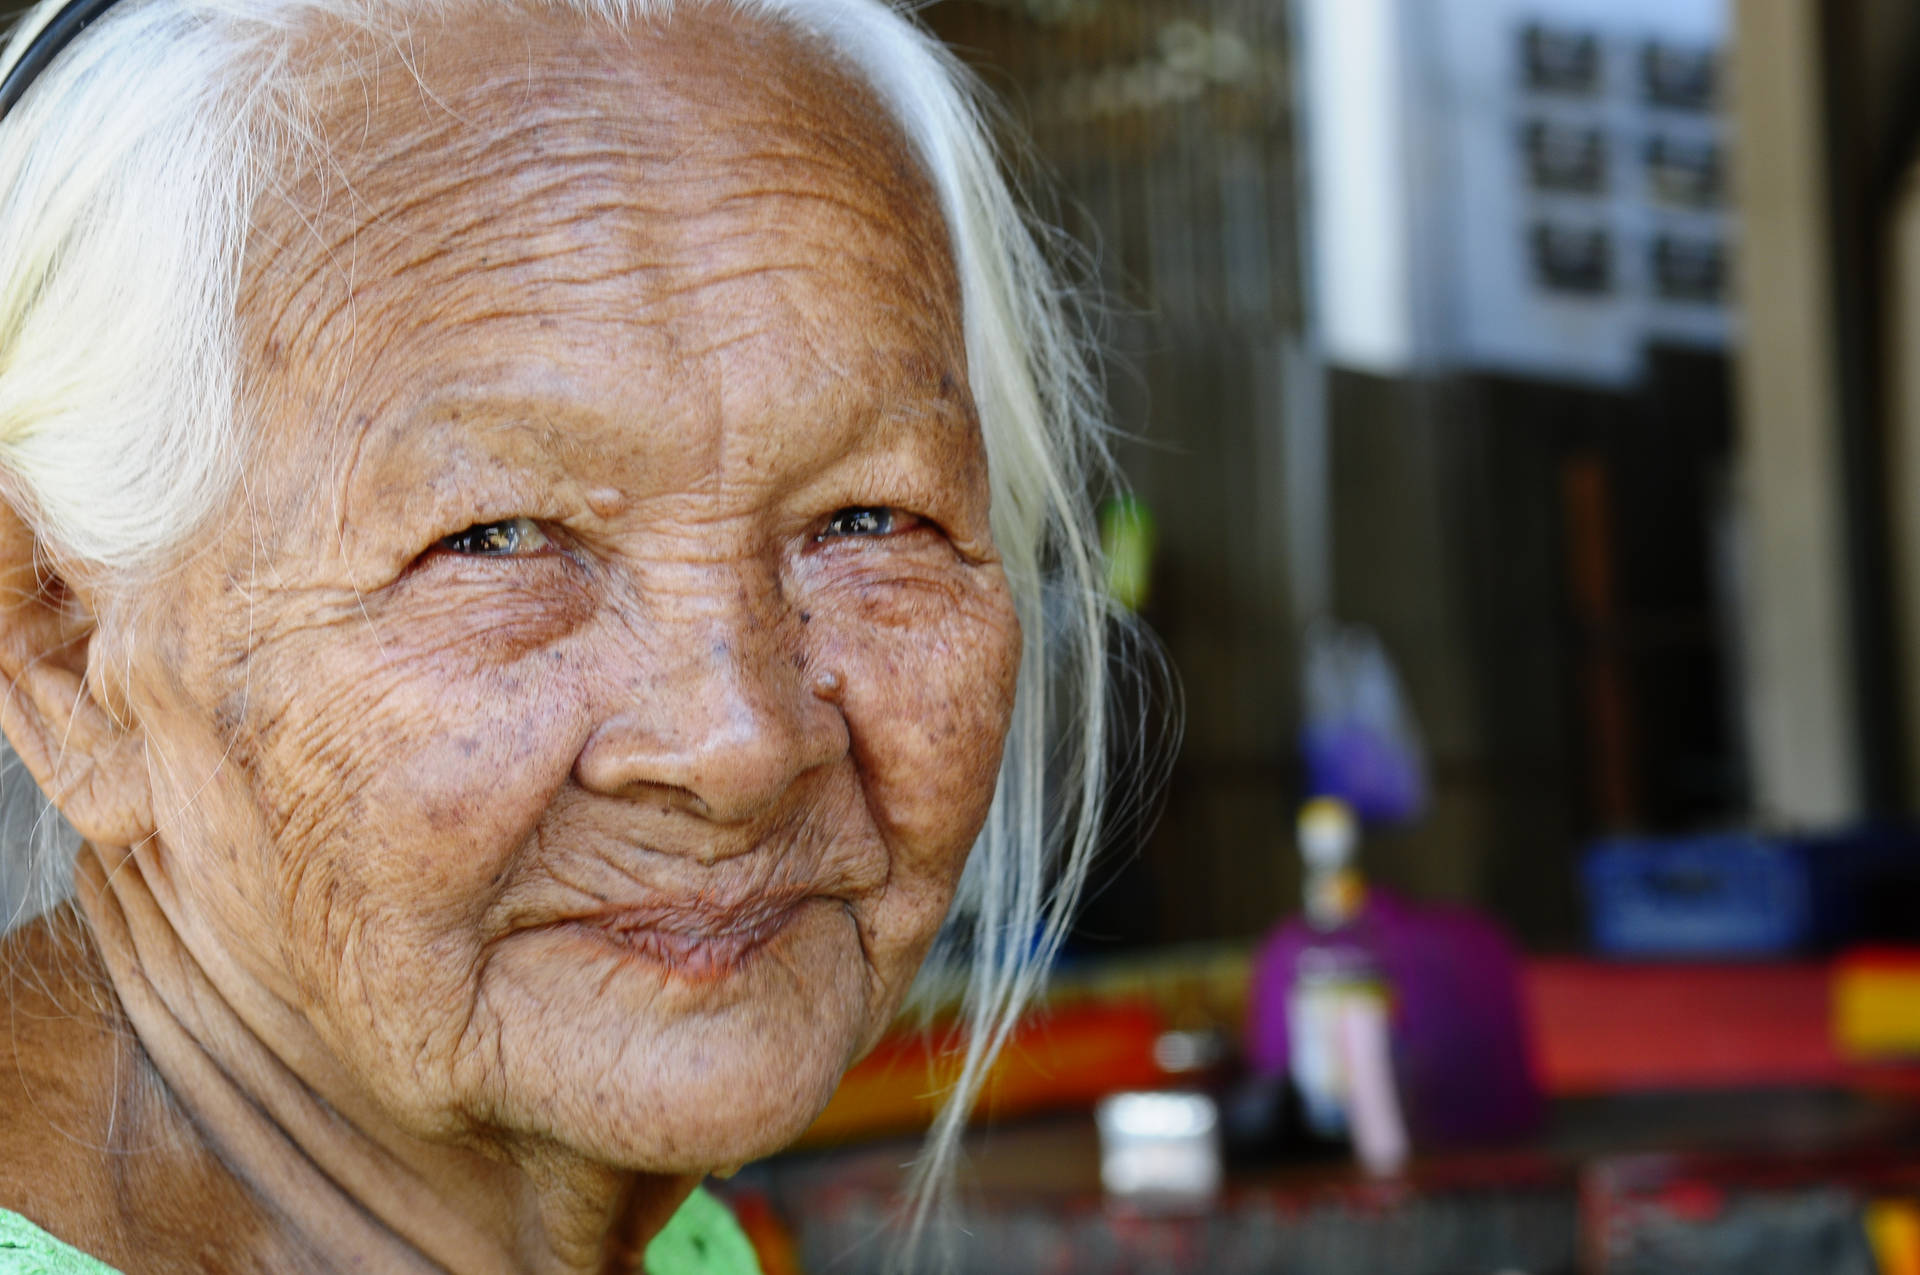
x=586, y=711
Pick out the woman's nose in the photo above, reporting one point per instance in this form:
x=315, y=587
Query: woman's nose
x=720, y=728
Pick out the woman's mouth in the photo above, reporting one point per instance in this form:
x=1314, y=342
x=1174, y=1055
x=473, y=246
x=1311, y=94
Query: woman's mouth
x=697, y=939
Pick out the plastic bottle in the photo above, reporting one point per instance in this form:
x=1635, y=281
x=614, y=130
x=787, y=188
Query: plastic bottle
x=1339, y=1004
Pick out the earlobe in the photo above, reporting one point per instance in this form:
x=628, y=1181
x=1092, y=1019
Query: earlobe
x=88, y=760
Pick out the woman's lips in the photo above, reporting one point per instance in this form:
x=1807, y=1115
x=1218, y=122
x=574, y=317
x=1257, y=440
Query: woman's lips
x=694, y=939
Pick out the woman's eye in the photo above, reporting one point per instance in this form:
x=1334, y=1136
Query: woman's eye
x=514, y=537
x=874, y=520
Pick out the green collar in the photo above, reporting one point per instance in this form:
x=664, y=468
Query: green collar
x=25, y=1249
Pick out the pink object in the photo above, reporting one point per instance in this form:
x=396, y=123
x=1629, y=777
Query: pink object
x=1379, y=1126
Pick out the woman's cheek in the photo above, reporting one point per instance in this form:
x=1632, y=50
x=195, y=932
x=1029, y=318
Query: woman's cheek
x=401, y=810
x=929, y=678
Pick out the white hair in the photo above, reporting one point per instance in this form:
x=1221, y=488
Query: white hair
x=128, y=178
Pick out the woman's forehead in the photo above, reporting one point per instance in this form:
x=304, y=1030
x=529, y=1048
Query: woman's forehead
x=700, y=212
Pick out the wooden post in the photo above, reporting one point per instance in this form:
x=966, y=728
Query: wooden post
x=1800, y=709
x=1902, y=362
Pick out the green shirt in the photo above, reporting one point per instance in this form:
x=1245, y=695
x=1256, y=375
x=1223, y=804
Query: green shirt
x=701, y=1239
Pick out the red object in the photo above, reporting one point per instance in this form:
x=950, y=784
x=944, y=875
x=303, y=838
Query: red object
x=1883, y=958
x=1601, y=1027
x=767, y=1231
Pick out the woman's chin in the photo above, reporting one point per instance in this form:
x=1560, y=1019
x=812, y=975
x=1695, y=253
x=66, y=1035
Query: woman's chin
x=708, y=1133
x=675, y=1067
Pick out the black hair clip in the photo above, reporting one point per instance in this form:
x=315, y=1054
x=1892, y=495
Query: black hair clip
x=76, y=17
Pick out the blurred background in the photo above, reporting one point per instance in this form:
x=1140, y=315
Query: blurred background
x=1524, y=480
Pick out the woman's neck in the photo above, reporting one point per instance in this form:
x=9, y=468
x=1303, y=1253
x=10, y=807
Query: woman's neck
x=348, y=1191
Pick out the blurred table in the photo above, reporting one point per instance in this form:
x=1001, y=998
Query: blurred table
x=1031, y=1201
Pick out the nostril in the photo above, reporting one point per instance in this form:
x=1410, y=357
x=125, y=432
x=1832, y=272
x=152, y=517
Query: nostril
x=666, y=799
x=676, y=800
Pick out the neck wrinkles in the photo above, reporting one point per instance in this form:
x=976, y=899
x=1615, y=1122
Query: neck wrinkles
x=346, y=1200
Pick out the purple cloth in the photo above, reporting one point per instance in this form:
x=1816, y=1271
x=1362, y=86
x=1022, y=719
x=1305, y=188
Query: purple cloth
x=1460, y=1045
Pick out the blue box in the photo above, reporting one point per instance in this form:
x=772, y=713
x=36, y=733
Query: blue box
x=1725, y=895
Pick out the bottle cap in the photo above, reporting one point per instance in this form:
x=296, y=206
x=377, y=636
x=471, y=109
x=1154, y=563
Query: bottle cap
x=1327, y=833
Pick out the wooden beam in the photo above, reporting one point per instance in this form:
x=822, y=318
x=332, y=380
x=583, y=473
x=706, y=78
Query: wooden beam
x=1800, y=703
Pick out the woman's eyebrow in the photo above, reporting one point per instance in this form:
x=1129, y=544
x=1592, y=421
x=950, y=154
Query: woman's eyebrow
x=479, y=419
x=439, y=459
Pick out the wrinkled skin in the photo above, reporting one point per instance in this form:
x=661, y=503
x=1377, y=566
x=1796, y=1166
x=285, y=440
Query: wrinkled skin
x=600, y=841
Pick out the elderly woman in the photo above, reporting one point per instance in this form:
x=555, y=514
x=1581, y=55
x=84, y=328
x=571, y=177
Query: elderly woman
x=540, y=537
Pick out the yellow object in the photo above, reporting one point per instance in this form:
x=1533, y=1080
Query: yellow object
x=1893, y=1227
x=1876, y=1006
x=1127, y=538
x=1328, y=812
x=1329, y=835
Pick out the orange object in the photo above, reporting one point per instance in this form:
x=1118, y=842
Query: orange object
x=1061, y=1058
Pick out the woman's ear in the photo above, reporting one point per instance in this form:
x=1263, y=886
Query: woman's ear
x=88, y=760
